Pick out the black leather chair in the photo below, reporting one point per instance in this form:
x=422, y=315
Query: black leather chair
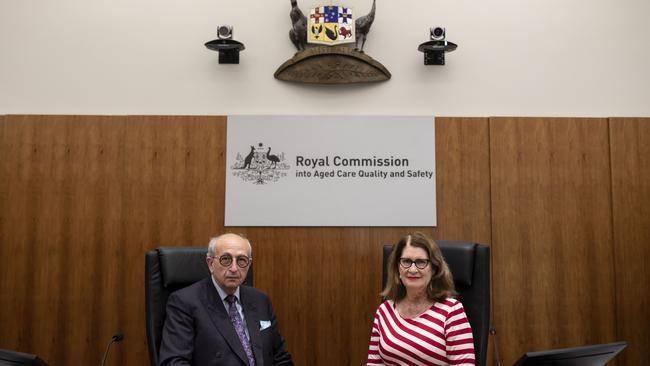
x=470, y=266
x=166, y=270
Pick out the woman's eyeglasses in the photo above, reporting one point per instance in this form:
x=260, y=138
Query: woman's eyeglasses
x=406, y=263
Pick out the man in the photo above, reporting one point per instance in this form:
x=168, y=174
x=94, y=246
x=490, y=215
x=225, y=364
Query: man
x=217, y=321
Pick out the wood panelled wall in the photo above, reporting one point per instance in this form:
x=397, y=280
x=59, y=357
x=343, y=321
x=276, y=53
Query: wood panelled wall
x=552, y=233
x=564, y=204
x=630, y=157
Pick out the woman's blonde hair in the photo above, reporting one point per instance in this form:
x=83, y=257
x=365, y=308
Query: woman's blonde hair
x=441, y=285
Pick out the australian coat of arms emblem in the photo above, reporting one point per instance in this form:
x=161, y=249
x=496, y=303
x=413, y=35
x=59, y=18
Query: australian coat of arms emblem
x=259, y=165
x=322, y=40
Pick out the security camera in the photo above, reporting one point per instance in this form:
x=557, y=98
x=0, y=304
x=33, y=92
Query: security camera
x=437, y=33
x=224, y=32
x=227, y=47
x=434, y=49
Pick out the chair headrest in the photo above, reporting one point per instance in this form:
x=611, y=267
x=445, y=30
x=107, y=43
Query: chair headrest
x=459, y=255
x=191, y=261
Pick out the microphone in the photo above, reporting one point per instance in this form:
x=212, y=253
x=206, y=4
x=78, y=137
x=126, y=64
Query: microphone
x=117, y=337
x=493, y=333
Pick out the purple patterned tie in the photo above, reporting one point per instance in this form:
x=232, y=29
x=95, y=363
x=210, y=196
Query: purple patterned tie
x=236, y=320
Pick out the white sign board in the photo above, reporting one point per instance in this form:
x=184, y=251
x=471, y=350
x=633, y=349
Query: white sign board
x=330, y=171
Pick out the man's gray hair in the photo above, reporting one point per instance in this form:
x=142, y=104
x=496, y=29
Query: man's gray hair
x=212, y=244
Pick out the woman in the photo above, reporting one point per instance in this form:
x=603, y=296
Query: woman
x=420, y=323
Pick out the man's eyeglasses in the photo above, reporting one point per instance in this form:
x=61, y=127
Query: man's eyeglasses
x=419, y=263
x=242, y=261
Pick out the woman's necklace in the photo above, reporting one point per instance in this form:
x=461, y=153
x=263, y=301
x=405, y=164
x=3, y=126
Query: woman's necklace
x=410, y=310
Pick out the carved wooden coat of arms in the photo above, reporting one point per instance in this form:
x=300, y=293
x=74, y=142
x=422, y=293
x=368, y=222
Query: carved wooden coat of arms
x=323, y=41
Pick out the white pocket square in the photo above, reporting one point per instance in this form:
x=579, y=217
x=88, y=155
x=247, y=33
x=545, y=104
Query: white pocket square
x=264, y=324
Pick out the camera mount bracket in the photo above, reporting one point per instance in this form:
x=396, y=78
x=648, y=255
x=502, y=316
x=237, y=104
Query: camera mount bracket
x=228, y=50
x=434, y=51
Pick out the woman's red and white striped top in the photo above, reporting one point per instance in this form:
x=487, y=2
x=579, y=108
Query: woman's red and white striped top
x=439, y=336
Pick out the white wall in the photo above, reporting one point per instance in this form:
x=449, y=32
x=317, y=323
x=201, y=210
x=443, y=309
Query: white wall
x=519, y=58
